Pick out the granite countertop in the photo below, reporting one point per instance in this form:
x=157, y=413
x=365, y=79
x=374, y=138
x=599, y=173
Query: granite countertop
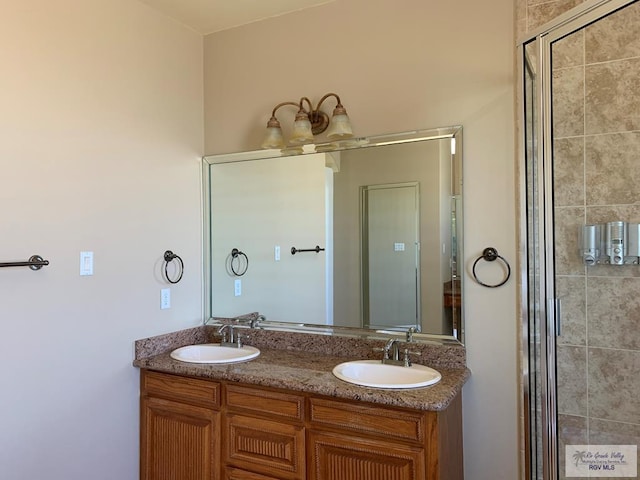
x=302, y=371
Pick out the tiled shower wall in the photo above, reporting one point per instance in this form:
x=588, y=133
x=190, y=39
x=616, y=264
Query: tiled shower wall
x=531, y=14
x=596, y=115
x=596, y=125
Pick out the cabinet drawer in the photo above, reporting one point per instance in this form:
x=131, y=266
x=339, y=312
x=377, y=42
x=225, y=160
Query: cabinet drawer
x=373, y=420
x=184, y=389
x=264, y=402
x=264, y=446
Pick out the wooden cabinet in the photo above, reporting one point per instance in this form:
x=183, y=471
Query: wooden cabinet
x=264, y=431
x=178, y=440
x=200, y=429
x=264, y=446
x=353, y=440
x=346, y=457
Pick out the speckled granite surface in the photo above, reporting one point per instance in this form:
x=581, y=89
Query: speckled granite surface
x=148, y=347
x=304, y=364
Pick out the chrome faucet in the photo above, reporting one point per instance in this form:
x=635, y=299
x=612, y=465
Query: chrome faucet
x=234, y=339
x=391, y=354
x=410, y=333
x=391, y=351
x=256, y=321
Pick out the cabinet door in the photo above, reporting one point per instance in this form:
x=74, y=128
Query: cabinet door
x=264, y=446
x=178, y=441
x=342, y=457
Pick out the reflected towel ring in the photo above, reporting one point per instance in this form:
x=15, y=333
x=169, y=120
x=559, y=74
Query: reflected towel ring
x=235, y=255
x=169, y=257
x=490, y=254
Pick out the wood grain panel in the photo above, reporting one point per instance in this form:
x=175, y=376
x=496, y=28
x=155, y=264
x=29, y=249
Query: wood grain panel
x=340, y=457
x=178, y=441
x=183, y=389
x=446, y=445
x=236, y=474
x=363, y=418
x=264, y=402
x=264, y=446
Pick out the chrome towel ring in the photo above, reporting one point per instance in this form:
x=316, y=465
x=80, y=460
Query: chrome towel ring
x=490, y=254
x=169, y=257
x=241, y=269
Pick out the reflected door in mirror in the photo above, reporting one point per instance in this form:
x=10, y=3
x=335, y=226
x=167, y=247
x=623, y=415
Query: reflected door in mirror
x=390, y=256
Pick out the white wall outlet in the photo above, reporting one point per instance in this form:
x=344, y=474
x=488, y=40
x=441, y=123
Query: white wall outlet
x=86, y=263
x=237, y=287
x=276, y=253
x=165, y=298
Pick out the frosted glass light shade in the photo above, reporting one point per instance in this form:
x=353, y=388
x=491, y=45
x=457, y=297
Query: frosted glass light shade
x=273, y=138
x=340, y=126
x=301, y=130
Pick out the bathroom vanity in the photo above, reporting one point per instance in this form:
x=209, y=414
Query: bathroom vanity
x=195, y=428
x=284, y=416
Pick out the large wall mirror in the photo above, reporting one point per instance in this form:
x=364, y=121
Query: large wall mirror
x=359, y=234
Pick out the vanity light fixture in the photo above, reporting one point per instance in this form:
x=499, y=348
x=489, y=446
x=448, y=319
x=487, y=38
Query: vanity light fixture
x=309, y=122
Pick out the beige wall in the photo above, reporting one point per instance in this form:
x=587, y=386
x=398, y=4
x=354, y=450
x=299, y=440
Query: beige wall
x=100, y=137
x=402, y=66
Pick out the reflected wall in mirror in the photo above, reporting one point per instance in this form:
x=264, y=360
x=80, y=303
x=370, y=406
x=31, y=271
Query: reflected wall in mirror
x=375, y=224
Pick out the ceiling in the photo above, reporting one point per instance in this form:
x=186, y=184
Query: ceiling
x=209, y=16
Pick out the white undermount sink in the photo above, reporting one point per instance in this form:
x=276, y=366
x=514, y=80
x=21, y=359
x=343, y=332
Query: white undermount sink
x=375, y=374
x=214, y=353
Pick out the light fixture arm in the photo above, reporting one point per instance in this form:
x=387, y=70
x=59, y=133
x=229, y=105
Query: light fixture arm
x=273, y=114
x=327, y=96
x=302, y=100
x=309, y=121
x=319, y=119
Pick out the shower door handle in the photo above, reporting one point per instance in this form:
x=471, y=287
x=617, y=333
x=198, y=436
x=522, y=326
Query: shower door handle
x=555, y=306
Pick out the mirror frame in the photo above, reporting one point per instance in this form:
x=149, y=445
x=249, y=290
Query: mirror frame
x=352, y=143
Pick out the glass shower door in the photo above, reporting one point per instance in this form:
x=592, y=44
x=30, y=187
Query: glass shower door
x=531, y=302
x=595, y=115
x=582, y=126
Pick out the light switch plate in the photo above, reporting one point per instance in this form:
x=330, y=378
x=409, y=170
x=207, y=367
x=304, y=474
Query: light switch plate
x=86, y=263
x=165, y=298
x=398, y=247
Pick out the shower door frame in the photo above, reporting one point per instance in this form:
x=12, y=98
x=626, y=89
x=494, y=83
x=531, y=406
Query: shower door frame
x=548, y=305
